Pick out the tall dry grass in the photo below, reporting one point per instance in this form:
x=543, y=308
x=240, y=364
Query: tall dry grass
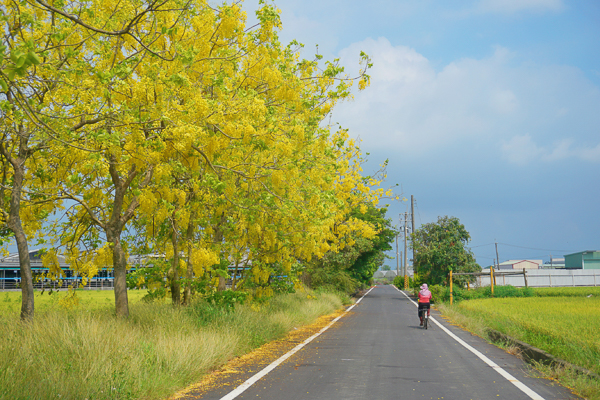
x=90, y=354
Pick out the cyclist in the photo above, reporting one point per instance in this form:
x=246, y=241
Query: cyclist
x=424, y=300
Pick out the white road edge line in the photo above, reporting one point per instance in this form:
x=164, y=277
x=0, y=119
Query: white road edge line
x=252, y=380
x=524, y=388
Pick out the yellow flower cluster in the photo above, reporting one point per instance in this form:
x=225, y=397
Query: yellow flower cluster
x=206, y=143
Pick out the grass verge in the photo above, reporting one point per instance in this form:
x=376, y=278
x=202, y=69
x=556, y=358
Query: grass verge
x=87, y=353
x=547, y=323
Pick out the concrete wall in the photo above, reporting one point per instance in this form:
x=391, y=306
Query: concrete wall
x=548, y=278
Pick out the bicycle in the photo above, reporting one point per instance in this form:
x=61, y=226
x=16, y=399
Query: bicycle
x=424, y=311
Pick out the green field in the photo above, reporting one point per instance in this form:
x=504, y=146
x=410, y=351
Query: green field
x=85, y=352
x=565, y=322
x=567, y=291
x=567, y=327
x=88, y=299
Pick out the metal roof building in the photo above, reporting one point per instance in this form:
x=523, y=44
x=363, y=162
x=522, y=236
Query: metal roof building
x=10, y=273
x=520, y=264
x=589, y=259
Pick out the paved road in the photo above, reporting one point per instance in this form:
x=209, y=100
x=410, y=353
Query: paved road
x=378, y=351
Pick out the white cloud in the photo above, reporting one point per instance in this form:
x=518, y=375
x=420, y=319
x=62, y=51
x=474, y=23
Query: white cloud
x=590, y=154
x=504, y=101
x=522, y=150
x=472, y=105
x=515, y=6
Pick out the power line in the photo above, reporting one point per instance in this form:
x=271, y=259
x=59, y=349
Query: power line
x=489, y=244
x=530, y=248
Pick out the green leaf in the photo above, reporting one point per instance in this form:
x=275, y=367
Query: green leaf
x=22, y=70
x=14, y=56
x=220, y=187
x=3, y=85
x=20, y=61
x=10, y=72
x=33, y=58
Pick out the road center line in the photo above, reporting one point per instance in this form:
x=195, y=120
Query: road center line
x=524, y=388
x=252, y=380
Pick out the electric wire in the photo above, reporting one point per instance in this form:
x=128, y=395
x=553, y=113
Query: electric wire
x=532, y=248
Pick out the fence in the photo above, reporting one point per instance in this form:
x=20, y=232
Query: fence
x=546, y=278
x=94, y=283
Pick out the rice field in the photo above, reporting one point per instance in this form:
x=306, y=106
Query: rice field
x=567, y=327
x=567, y=291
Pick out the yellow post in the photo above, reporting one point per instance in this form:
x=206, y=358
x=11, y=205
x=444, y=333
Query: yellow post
x=450, y=287
x=405, y=282
x=492, y=278
x=468, y=286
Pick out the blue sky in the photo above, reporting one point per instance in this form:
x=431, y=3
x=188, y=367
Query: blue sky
x=488, y=110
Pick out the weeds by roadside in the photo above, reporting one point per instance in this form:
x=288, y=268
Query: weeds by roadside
x=587, y=387
x=82, y=353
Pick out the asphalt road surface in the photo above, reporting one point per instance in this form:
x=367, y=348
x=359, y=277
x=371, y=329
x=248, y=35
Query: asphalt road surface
x=379, y=351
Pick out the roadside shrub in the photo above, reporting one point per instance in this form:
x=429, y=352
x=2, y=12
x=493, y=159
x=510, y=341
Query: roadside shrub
x=417, y=280
x=333, y=281
x=227, y=298
x=437, y=292
x=399, y=282
x=442, y=293
x=511, y=291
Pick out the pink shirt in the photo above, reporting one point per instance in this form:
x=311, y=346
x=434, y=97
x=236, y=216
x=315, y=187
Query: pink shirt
x=424, y=296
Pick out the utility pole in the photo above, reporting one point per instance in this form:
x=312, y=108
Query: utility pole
x=497, y=259
x=405, y=258
x=397, y=258
x=412, y=215
x=401, y=266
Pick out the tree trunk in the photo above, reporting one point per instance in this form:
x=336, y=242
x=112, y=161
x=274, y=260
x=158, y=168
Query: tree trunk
x=15, y=225
x=187, y=294
x=189, y=275
x=120, y=268
x=27, y=304
x=174, y=273
x=222, y=284
x=219, y=239
x=113, y=229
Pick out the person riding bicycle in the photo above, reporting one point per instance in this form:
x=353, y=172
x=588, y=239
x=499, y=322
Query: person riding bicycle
x=424, y=301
